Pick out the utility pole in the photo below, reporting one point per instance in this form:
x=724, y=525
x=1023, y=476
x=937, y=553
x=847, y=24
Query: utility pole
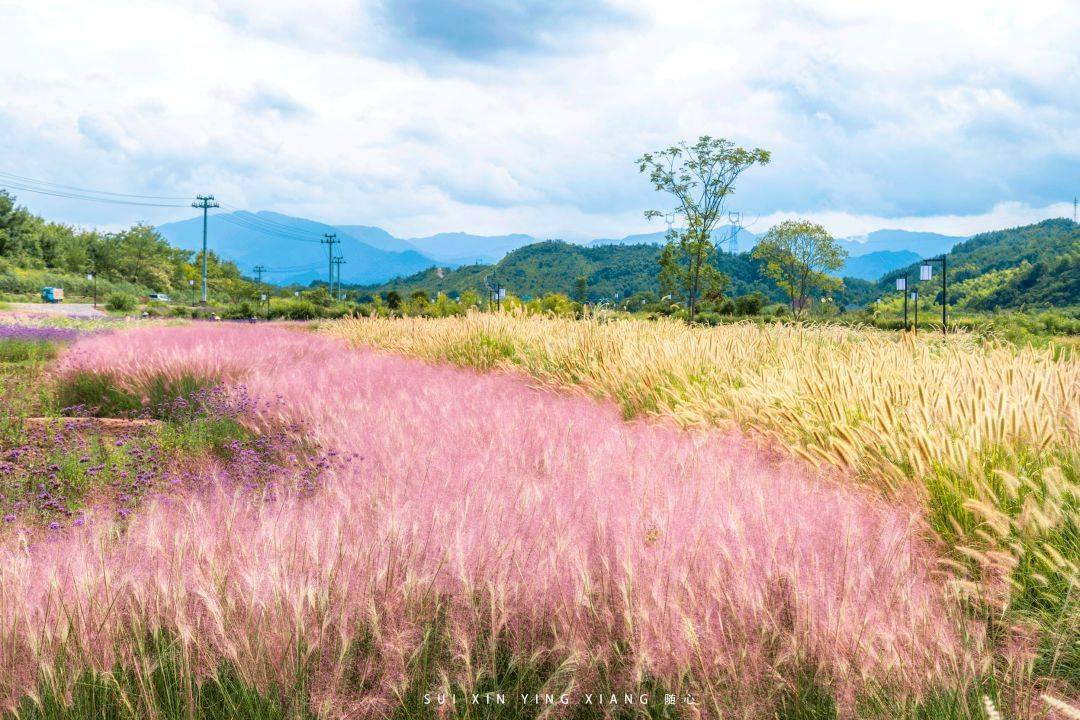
x=259, y=270
x=329, y=240
x=205, y=202
x=735, y=218
x=337, y=263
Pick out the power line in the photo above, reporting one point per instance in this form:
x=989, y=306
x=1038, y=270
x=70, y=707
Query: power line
x=47, y=184
x=244, y=223
x=256, y=219
x=239, y=218
x=269, y=227
x=293, y=268
x=12, y=185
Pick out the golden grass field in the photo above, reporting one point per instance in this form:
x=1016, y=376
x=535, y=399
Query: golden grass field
x=987, y=435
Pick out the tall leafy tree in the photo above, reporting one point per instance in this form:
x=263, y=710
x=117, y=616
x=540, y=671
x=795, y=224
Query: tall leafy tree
x=581, y=289
x=798, y=255
x=699, y=177
x=17, y=243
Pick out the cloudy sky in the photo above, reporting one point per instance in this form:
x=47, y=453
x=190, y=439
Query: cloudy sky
x=501, y=116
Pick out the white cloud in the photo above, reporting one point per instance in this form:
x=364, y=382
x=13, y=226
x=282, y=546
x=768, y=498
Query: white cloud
x=938, y=116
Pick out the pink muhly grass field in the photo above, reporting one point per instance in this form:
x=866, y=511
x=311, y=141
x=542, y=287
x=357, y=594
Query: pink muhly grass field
x=503, y=515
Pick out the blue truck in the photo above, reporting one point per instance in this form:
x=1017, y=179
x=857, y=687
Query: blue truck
x=52, y=295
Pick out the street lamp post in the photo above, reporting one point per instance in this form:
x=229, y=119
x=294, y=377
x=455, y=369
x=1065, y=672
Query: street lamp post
x=93, y=277
x=915, y=300
x=926, y=272
x=191, y=283
x=901, y=285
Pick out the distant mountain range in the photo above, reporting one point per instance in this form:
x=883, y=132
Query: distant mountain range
x=873, y=265
x=290, y=247
x=1034, y=266
x=450, y=249
x=923, y=244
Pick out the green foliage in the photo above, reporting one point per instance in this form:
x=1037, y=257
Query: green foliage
x=553, y=304
x=552, y=267
x=750, y=304
x=25, y=283
x=798, y=255
x=581, y=289
x=161, y=682
x=95, y=392
x=102, y=395
x=687, y=269
x=18, y=351
x=243, y=310
x=1030, y=267
x=196, y=436
x=121, y=302
x=295, y=310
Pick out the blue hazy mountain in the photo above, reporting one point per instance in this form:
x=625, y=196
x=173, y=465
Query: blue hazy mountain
x=290, y=248
x=925, y=244
x=873, y=265
x=449, y=249
x=378, y=238
x=459, y=248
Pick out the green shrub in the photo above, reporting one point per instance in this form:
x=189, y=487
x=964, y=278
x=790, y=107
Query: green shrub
x=725, y=307
x=94, y=393
x=120, y=302
x=295, y=310
x=339, y=311
x=242, y=311
x=750, y=304
x=707, y=318
x=102, y=395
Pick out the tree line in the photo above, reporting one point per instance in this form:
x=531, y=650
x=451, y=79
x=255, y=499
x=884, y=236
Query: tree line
x=138, y=255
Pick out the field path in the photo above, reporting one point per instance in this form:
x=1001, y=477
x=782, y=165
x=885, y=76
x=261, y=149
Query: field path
x=73, y=310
